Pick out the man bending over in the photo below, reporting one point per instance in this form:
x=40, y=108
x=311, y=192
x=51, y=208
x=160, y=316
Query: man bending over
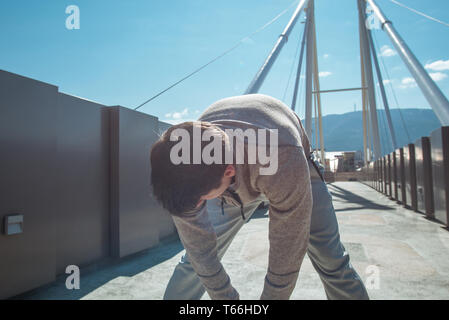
x=212, y=174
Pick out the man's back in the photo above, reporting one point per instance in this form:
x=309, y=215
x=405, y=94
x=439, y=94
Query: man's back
x=259, y=111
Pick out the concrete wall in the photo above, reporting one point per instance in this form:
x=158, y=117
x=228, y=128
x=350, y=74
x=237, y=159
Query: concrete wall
x=394, y=174
x=79, y=173
x=439, y=140
x=424, y=180
x=388, y=168
x=138, y=222
x=419, y=175
x=82, y=216
x=401, y=177
x=410, y=176
x=28, y=183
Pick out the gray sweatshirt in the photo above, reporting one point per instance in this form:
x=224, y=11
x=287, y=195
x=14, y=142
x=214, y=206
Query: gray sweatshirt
x=288, y=192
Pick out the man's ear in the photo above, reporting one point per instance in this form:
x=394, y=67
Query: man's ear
x=229, y=171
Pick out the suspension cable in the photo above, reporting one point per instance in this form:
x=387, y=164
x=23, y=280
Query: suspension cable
x=404, y=125
x=386, y=141
x=291, y=69
x=301, y=96
x=235, y=46
x=420, y=13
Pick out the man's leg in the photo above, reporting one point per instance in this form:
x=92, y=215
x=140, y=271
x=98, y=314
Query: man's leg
x=184, y=284
x=327, y=253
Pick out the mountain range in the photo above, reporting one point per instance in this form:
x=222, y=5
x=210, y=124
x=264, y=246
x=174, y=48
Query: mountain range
x=344, y=132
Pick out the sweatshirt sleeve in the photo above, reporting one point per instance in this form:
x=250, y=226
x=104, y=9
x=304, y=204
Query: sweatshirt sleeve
x=290, y=195
x=200, y=241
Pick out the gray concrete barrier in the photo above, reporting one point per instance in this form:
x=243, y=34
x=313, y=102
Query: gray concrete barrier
x=75, y=183
x=137, y=221
x=401, y=178
x=394, y=170
x=424, y=180
x=410, y=176
x=439, y=140
x=417, y=175
x=386, y=183
x=388, y=175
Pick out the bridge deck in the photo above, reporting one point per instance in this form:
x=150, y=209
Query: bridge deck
x=411, y=253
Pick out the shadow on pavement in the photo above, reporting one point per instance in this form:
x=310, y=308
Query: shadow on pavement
x=350, y=197
x=96, y=275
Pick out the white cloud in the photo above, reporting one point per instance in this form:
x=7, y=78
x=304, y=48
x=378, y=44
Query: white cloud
x=176, y=116
x=172, y=121
x=407, y=83
x=180, y=115
x=439, y=65
x=326, y=56
x=438, y=76
x=324, y=74
x=386, y=51
x=385, y=82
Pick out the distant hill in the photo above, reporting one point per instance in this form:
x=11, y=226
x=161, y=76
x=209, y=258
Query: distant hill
x=344, y=132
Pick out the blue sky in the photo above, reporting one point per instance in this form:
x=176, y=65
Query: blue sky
x=127, y=51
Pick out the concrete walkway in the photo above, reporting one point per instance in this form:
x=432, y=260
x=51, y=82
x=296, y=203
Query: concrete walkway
x=397, y=252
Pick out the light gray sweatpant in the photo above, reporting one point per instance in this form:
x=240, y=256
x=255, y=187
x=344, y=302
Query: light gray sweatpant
x=325, y=250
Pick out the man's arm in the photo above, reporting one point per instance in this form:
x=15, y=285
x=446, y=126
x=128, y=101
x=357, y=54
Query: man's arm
x=290, y=195
x=200, y=241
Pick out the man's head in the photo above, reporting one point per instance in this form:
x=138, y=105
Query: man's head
x=183, y=187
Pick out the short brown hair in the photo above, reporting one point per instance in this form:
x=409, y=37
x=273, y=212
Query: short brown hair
x=178, y=187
